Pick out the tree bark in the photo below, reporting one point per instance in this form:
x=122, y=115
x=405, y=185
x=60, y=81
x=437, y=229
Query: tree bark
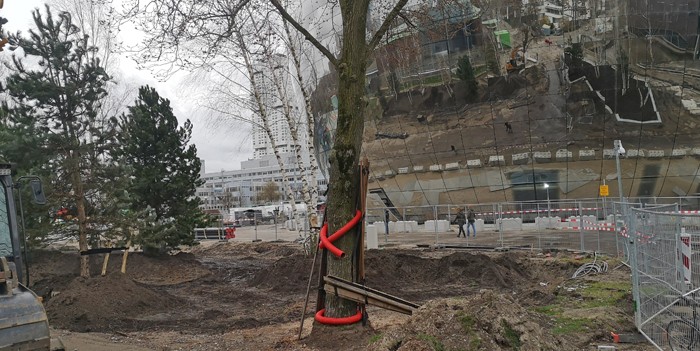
x=344, y=159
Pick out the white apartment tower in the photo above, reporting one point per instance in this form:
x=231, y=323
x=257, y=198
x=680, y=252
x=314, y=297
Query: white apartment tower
x=274, y=83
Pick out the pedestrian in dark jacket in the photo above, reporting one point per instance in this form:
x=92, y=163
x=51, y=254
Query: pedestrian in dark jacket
x=471, y=218
x=460, y=219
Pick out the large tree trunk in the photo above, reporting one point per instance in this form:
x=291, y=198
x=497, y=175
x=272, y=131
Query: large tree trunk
x=82, y=218
x=344, y=175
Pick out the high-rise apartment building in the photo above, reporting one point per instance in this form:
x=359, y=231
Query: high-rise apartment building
x=274, y=85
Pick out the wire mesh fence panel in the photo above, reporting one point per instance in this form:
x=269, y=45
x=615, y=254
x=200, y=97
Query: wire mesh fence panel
x=665, y=274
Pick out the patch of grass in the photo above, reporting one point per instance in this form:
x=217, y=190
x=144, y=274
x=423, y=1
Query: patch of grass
x=433, y=341
x=550, y=310
x=375, y=338
x=474, y=343
x=589, y=295
x=565, y=325
x=600, y=294
x=467, y=322
x=511, y=335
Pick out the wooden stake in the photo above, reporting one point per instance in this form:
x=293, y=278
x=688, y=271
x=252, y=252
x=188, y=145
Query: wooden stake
x=364, y=179
x=104, y=264
x=126, y=253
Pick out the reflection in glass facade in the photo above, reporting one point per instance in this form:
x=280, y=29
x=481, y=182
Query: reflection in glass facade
x=569, y=77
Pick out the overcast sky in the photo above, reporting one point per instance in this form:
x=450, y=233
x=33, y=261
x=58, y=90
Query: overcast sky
x=220, y=145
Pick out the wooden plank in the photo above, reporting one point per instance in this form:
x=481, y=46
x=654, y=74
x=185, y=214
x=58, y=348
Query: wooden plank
x=335, y=281
x=361, y=293
x=359, y=298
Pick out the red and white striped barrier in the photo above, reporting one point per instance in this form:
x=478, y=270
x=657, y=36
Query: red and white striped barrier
x=588, y=225
x=538, y=211
x=686, y=254
x=684, y=212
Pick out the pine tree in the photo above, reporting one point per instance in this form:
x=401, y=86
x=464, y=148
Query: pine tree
x=165, y=172
x=465, y=72
x=54, y=113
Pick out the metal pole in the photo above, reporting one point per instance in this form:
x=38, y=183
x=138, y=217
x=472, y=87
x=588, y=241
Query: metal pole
x=24, y=233
x=500, y=222
x=435, y=224
x=580, y=216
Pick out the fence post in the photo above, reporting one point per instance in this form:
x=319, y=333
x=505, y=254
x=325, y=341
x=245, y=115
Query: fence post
x=581, y=224
x=500, y=222
x=403, y=217
x=631, y=222
x=435, y=223
x=598, y=225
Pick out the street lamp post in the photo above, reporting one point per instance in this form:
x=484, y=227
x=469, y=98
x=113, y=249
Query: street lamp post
x=619, y=150
x=549, y=207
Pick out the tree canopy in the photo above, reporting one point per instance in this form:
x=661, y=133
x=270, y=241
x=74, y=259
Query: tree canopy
x=164, y=171
x=56, y=131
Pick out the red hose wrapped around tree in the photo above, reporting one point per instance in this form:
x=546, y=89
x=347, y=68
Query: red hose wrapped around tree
x=327, y=243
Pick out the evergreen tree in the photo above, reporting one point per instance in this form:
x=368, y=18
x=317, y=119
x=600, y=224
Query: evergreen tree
x=465, y=72
x=165, y=172
x=53, y=114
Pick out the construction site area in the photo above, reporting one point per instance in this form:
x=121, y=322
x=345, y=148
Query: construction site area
x=241, y=295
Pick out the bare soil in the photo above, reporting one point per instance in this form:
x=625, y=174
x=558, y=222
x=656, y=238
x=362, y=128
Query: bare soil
x=241, y=296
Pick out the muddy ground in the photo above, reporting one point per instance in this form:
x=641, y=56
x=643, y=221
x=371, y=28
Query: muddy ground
x=242, y=296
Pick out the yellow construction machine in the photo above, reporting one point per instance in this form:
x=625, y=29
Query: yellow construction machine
x=23, y=321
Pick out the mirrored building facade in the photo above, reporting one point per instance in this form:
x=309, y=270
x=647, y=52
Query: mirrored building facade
x=557, y=83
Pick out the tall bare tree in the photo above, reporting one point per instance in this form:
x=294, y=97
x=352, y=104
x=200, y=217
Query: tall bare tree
x=173, y=26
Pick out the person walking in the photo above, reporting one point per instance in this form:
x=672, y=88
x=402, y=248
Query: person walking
x=459, y=220
x=386, y=221
x=471, y=218
x=509, y=127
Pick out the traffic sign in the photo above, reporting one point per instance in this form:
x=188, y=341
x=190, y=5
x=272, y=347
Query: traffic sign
x=604, y=190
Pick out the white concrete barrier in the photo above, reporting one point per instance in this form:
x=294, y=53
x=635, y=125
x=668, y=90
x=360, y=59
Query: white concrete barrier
x=509, y=224
x=371, y=238
x=403, y=227
x=381, y=228
x=436, y=168
x=678, y=153
x=479, y=224
x=497, y=160
x=474, y=163
x=521, y=159
x=585, y=155
x=548, y=222
x=563, y=155
x=452, y=166
x=439, y=225
x=655, y=154
x=542, y=156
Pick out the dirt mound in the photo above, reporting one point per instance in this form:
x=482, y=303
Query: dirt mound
x=285, y=273
x=103, y=303
x=486, y=321
x=421, y=278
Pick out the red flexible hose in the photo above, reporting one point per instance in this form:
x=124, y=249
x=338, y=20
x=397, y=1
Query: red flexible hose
x=327, y=242
x=337, y=321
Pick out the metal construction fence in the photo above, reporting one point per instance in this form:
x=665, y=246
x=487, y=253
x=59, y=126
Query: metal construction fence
x=662, y=243
x=586, y=225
